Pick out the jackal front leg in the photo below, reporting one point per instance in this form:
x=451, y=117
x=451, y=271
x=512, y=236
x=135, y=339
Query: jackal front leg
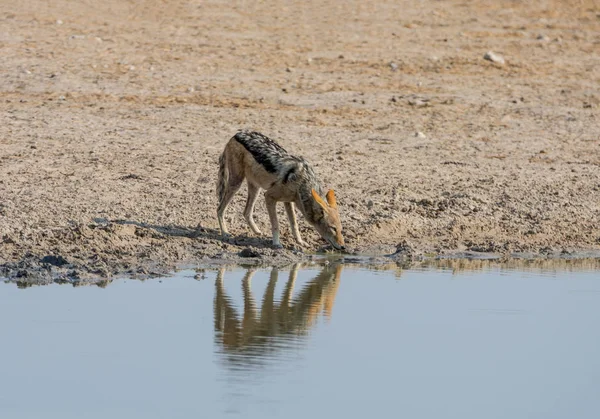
x=272, y=210
x=289, y=209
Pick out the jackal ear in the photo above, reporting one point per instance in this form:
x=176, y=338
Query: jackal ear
x=318, y=199
x=331, y=199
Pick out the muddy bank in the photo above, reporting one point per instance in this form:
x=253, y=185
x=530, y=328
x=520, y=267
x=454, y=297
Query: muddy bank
x=112, y=118
x=55, y=270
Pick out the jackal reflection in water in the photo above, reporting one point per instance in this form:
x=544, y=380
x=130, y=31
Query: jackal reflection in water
x=258, y=331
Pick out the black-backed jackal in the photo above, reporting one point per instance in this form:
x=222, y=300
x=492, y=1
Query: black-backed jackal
x=285, y=178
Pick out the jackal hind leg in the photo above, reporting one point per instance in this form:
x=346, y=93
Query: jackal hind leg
x=289, y=209
x=249, y=210
x=272, y=210
x=235, y=181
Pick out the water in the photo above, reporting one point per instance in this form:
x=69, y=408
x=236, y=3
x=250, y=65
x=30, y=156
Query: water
x=319, y=342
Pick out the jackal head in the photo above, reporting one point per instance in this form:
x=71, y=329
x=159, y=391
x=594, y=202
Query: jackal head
x=329, y=226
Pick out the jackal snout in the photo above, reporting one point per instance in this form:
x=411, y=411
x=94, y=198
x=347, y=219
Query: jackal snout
x=329, y=226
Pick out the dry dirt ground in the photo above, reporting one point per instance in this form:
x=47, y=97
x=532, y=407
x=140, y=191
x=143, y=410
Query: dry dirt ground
x=113, y=115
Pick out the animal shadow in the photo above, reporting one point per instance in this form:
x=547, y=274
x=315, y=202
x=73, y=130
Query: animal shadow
x=201, y=232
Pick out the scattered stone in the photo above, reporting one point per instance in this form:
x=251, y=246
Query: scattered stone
x=405, y=248
x=370, y=204
x=131, y=176
x=419, y=134
x=101, y=221
x=418, y=102
x=544, y=38
x=249, y=253
x=493, y=57
x=59, y=22
x=394, y=66
x=289, y=70
x=54, y=260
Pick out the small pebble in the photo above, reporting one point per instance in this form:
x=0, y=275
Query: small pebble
x=493, y=57
x=394, y=66
x=419, y=103
x=59, y=22
x=419, y=134
x=544, y=38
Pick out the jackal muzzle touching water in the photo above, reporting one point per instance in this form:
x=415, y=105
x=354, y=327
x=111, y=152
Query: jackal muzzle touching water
x=285, y=178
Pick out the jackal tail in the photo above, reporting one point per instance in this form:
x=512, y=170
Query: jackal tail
x=223, y=176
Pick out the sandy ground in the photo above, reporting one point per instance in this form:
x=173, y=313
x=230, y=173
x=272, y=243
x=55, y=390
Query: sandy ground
x=113, y=115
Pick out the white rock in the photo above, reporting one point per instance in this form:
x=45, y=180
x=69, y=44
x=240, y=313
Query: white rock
x=493, y=57
x=419, y=134
x=59, y=22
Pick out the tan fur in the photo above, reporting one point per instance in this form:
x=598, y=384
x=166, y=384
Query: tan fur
x=293, y=183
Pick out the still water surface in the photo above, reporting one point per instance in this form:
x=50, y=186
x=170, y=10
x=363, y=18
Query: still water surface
x=316, y=342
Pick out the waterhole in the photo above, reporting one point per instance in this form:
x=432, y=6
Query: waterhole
x=306, y=341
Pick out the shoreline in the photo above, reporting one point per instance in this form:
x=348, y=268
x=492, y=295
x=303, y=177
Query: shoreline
x=62, y=269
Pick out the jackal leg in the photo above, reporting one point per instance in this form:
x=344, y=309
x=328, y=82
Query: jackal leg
x=249, y=210
x=235, y=181
x=289, y=209
x=272, y=210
